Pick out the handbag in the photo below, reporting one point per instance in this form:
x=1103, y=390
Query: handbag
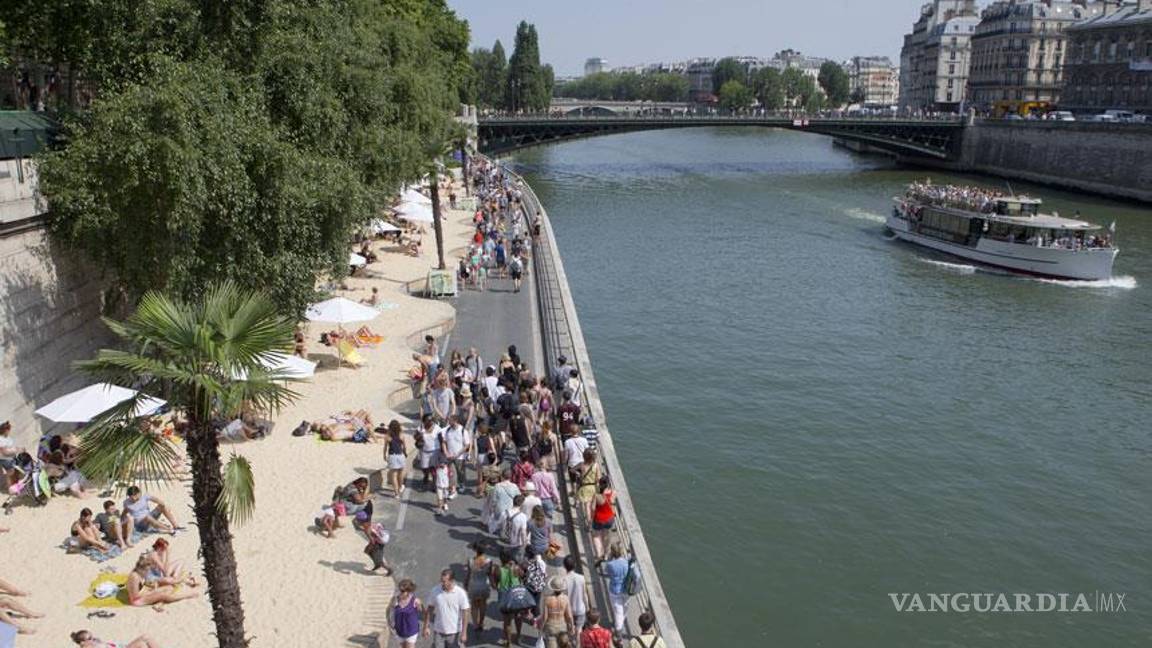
x=516, y=599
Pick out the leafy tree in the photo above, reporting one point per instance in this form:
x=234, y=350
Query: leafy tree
x=491, y=69
x=834, y=81
x=735, y=96
x=768, y=84
x=549, y=77
x=204, y=358
x=664, y=86
x=728, y=69
x=810, y=97
x=794, y=82
x=627, y=87
x=526, y=85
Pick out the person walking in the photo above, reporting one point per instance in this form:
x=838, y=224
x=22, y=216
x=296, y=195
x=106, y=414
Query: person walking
x=557, y=614
x=647, y=637
x=445, y=618
x=593, y=634
x=478, y=583
x=404, y=615
x=586, y=483
x=514, y=533
x=603, y=516
x=616, y=570
x=574, y=588
x=516, y=269
x=514, y=598
x=428, y=442
x=456, y=442
x=396, y=457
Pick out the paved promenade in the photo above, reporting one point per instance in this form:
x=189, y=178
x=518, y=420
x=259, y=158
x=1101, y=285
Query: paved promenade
x=423, y=543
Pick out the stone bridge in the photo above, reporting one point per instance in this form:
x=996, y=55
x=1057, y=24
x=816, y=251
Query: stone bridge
x=938, y=139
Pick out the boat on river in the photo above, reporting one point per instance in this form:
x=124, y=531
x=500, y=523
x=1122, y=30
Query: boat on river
x=1003, y=230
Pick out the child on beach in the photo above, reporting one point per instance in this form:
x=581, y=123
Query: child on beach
x=443, y=485
x=378, y=537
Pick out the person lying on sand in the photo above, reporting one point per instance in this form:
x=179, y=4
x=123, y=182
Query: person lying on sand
x=86, y=639
x=142, y=593
x=10, y=607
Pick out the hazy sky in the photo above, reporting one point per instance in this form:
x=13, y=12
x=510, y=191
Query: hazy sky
x=631, y=32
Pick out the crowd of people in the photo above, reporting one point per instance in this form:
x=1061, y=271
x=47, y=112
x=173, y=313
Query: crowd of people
x=977, y=199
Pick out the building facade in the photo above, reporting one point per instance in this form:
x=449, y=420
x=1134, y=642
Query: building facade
x=1109, y=60
x=1018, y=52
x=873, y=80
x=595, y=66
x=935, y=58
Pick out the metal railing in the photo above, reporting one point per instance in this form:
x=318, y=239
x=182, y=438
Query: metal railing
x=947, y=118
x=561, y=335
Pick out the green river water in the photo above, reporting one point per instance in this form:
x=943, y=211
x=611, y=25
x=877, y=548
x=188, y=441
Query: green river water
x=811, y=416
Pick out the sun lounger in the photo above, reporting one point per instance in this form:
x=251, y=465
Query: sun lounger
x=349, y=354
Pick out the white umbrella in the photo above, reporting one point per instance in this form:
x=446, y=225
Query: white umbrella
x=339, y=310
x=414, y=212
x=289, y=366
x=86, y=404
x=411, y=195
x=381, y=226
x=356, y=260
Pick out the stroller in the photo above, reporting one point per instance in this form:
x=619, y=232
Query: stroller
x=32, y=482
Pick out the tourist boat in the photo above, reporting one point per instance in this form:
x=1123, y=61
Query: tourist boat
x=1007, y=231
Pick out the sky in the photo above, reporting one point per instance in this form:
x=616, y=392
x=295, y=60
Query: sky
x=634, y=32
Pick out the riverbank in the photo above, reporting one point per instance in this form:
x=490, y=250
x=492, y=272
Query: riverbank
x=298, y=588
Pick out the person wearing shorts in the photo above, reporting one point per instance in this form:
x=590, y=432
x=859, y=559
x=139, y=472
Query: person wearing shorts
x=404, y=615
x=146, y=511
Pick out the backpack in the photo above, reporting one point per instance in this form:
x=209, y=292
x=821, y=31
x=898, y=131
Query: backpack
x=632, y=578
x=534, y=577
x=506, y=406
x=509, y=525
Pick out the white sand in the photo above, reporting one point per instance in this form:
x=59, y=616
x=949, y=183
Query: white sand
x=299, y=589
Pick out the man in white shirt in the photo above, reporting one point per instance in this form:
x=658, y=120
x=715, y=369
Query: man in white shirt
x=574, y=584
x=445, y=617
x=514, y=534
x=574, y=447
x=492, y=382
x=530, y=499
x=455, y=449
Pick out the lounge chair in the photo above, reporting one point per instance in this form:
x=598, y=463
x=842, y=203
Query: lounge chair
x=349, y=354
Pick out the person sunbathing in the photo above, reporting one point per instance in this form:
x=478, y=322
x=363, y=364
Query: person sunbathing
x=9, y=606
x=86, y=639
x=238, y=430
x=142, y=593
x=165, y=570
x=145, y=512
x=84, y=534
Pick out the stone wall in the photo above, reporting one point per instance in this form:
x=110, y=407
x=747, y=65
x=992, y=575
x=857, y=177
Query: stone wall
x=50, y=307
x=1108, y=159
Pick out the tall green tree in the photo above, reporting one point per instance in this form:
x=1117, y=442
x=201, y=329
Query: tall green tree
x=491, y=69
x=664, y=86
x=794, y=82
x=728, y=69
x=810, y=98
x=735, y=96
x=768, y=84
x=526, y=86
x=207, y=359
x=834, y=81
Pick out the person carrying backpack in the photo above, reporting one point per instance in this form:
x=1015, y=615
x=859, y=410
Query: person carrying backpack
x=514, y=598
x=617, y=570
x=647, y=637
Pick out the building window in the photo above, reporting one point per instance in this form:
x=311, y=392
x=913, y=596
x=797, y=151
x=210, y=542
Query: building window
x=951, y=69
x=952, y=56
x=950, y=81
x=1112, y=51
x=949, y=96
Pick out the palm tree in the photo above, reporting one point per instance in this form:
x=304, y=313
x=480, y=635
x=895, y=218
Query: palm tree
x=205, y=358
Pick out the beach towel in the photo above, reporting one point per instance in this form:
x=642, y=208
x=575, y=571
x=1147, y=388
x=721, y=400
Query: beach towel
x=386, y=306
x=120, y=600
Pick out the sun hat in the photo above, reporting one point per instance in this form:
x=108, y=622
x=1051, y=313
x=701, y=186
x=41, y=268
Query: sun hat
x=557, y=584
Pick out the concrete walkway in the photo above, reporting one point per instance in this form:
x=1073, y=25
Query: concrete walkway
x=423, y=543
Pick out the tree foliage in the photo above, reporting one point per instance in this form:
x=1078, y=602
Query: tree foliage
x=834, y=81
x=245, y=141
x=527, y=90
x=490, y=70
x=768, y=84
x=728, y=69
x=735, y=96
x=626, y=86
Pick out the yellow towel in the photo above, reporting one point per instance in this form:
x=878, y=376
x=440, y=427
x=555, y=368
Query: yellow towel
x=120, y=600
x=349, y=354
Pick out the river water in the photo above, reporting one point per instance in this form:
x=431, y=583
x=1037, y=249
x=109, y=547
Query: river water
x=812, y=417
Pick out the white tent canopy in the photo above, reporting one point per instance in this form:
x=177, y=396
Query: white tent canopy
x=411, y=195
x=415, y=212
x=381, y=226
x=86, y=404
x=356, y=260
x=340, y=310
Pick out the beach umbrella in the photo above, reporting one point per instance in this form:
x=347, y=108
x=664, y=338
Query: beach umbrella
x=340, y=310
x=381, y=226
x=289, y=366
x=356, y=260
x=86, y=404
x=411, y=195
x=415, y=212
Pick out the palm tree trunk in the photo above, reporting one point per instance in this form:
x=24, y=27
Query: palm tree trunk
x=434, y=187
x=215, y=537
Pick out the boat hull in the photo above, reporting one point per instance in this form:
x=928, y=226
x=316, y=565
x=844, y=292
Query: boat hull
x=1090, y=264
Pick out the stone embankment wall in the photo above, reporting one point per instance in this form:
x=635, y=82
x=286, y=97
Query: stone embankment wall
x=50, y=307
x=1108, y=159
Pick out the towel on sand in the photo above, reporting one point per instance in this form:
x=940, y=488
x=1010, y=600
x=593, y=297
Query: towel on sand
x=121, y=598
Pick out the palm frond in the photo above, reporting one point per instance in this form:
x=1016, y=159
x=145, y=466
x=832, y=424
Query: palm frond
x=115, y=448
x=238, y=498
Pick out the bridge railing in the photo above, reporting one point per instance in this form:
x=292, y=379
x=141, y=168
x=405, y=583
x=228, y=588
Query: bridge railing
x=751, y=118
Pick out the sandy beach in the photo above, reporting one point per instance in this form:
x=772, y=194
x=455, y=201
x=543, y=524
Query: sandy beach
x=299, y=589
